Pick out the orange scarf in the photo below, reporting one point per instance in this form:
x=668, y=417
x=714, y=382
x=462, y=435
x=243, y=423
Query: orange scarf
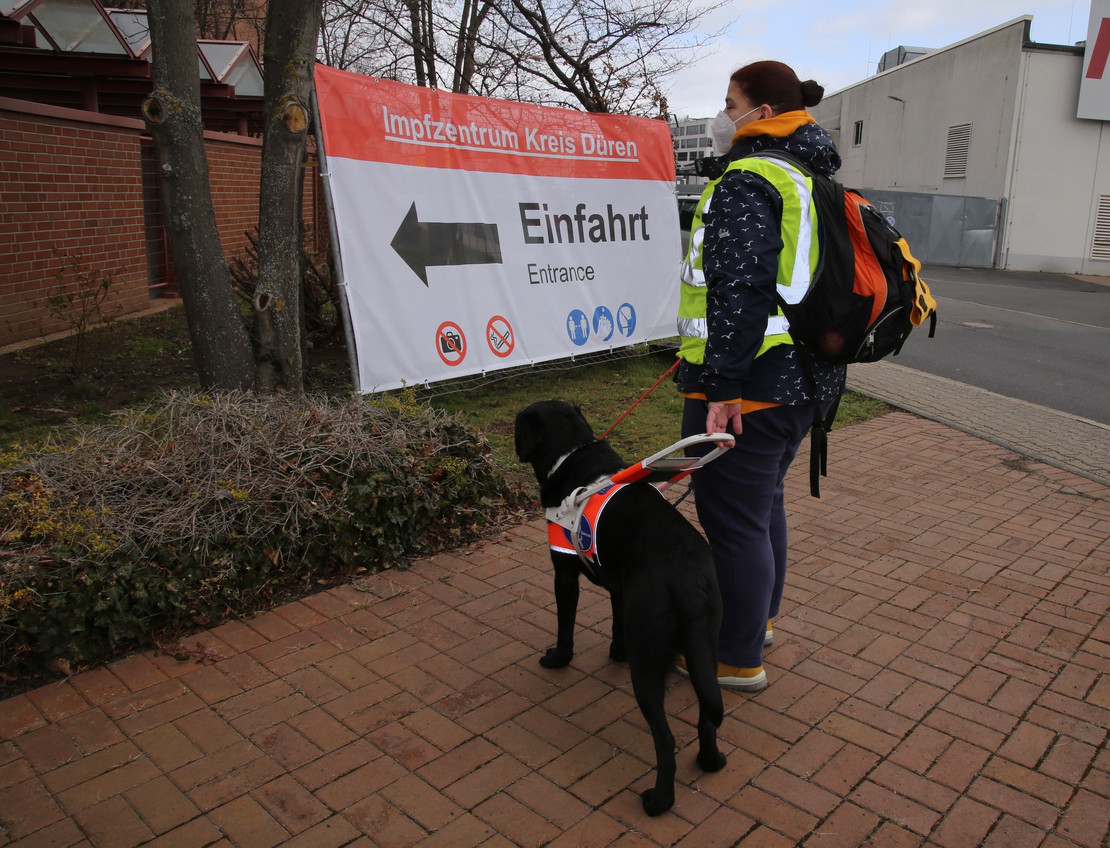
x=777, y=126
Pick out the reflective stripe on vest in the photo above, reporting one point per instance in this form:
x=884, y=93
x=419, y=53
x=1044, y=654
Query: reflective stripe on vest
x=798, y=258
x=692, y=328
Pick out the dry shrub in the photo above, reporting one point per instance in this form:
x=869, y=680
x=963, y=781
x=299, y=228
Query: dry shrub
x=199, y=506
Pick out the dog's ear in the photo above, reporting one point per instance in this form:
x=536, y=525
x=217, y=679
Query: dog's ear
x=529, y=434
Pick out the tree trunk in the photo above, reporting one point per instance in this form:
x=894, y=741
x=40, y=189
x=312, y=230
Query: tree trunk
x=415, y=19
x=221, y=347
x=291, y=31
x=428, y=39
x=473, y=16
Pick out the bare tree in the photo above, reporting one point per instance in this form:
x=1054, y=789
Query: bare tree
x=221, y=347
x=598, y=55
x=239, y=20
x=349, y=39
x=605, y=55
x=291, y=32
x=221, y=344
x=423, y=43
x=471, y=24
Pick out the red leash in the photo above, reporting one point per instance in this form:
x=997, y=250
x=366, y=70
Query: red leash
x=641, y=400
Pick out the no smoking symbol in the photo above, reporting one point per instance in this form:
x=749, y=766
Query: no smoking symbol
x=450, y=343
x=499, y=336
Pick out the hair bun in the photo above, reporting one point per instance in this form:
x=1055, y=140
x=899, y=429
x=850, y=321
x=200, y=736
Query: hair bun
x=812, y=92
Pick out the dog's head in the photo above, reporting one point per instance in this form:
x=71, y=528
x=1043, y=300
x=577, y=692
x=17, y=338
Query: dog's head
x=548, y=430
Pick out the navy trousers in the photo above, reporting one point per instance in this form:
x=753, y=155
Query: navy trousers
x=739, y=499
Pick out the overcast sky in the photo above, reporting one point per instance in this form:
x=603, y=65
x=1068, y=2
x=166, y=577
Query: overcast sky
x=840, y=42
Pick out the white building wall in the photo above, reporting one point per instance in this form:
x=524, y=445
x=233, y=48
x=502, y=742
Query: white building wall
x=1061, y=166
x=1027, y=148
x=907, y=111
x=692, y=141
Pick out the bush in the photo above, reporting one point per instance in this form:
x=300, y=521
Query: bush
x=202, y=506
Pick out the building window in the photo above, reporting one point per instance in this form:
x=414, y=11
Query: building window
x=1100, y=247
x=955, y=157
x=857, y=138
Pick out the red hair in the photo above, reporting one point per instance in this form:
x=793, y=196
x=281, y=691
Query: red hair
x=778, y=86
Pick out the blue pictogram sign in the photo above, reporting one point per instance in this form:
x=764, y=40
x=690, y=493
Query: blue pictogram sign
x=626, y=319
x=578, y=327
x=603, y=323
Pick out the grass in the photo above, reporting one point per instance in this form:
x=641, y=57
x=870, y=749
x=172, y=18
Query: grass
x=136, y=358
x=127, y=362
x=604, y=390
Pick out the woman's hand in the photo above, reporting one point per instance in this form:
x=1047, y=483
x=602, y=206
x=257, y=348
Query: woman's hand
x=720, y=416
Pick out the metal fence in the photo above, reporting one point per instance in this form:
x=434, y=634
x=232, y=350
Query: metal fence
x=944, y=229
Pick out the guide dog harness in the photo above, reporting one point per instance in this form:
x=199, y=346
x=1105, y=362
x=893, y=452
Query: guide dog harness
x=572, y=525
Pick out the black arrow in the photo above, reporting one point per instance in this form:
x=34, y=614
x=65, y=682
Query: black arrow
x=424, y=244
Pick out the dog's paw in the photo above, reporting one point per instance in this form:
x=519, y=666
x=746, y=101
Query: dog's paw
x=557, y=658
x=617, y=653
x=711, y=760
x=657, y=802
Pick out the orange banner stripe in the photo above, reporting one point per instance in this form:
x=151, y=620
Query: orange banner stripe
x=377, y=120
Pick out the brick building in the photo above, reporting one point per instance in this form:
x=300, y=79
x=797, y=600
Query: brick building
x=78, y=188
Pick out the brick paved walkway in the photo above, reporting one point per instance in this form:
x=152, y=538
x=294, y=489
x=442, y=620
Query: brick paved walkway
x=939, y=677
x=1058, y=438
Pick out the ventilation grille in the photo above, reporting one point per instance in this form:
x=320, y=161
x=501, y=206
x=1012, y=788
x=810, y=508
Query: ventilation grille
x=955, y=158
x=1100, y=247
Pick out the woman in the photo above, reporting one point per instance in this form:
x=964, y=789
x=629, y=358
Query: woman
x=755, y=232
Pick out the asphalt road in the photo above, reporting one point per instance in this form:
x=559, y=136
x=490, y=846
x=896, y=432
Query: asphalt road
x=1041, y=338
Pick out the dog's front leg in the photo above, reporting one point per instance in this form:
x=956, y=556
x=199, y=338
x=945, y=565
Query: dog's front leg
x=566, y=610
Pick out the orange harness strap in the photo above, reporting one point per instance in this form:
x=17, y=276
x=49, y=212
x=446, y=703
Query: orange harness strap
x=582, y=540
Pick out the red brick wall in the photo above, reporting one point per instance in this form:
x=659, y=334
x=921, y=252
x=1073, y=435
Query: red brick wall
x=71, y=183
x=66, y=189
x=233, y=172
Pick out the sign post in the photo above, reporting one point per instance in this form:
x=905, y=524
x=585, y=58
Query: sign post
x=477, y=234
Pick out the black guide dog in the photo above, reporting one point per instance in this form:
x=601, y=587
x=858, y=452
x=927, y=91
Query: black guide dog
x=658, y=570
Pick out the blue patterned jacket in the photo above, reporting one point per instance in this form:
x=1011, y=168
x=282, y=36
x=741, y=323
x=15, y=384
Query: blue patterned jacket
x=742, y=243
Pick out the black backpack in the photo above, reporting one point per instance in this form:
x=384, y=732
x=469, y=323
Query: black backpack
x=865, y=298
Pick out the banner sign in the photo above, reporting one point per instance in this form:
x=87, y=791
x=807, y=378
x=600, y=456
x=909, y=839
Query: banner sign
x=479, y=234
x=1094, y=85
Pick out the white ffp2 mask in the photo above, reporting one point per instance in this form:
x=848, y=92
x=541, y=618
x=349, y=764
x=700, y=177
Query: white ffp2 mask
x=723, y=129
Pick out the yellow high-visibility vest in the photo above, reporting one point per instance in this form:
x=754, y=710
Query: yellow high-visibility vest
x=798, y=258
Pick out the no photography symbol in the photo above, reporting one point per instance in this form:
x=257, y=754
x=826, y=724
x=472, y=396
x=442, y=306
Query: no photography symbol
x=450, y=343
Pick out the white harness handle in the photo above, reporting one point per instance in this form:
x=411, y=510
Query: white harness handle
x=660, y=467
